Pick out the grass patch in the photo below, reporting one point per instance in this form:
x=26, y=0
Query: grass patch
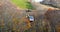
x=20, y=3
x=23, y=4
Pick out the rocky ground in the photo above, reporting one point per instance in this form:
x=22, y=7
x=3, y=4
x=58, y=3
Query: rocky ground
x=55, y=3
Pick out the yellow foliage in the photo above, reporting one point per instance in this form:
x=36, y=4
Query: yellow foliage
x=2, y=23
x=28, y=23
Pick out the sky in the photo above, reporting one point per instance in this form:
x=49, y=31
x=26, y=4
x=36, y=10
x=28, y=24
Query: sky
x=38, y=0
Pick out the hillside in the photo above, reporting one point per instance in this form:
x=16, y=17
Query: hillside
x=15, y=20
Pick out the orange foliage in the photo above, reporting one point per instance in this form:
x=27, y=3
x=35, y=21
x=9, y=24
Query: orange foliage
x=50, y=9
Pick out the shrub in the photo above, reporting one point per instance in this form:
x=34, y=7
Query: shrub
x=29, y=5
